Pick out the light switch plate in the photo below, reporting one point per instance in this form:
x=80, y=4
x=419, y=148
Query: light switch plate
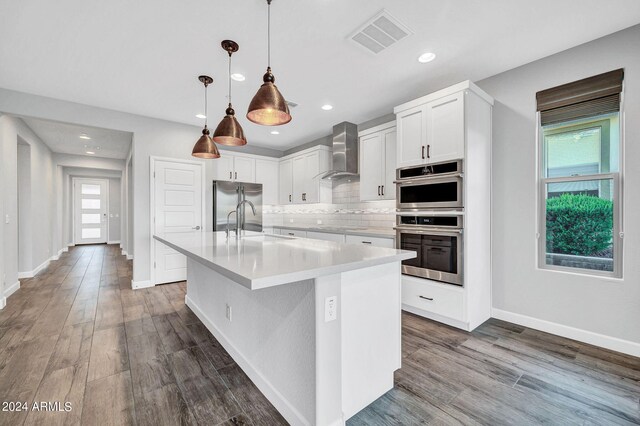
x=330, y=308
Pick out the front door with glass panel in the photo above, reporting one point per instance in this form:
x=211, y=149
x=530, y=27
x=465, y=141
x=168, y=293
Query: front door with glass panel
x=90, y=211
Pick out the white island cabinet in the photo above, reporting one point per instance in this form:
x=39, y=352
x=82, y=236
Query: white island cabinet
x=314, y=324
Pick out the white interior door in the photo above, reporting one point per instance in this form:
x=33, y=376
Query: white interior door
x=90, y=210
x=177, y=189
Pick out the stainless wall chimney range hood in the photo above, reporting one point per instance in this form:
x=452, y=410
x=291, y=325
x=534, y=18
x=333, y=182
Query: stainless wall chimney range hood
x=345, y=151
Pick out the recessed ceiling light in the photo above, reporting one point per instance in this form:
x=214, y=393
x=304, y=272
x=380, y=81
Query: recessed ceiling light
x=238, y=77
x=84, y=136
x=327, y=107
x=90, y=152
x=275, y=132
x=201, y=116
x=426, y=57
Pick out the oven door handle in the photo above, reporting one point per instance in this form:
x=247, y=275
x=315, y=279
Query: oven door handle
x=427, y=231
x=428, y=178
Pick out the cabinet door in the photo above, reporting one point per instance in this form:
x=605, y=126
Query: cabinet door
x=285, y=178
x=299, y=179
x=244, y=169
x=267, y=174
x=224, y=167
x=388, y=187
x=311, y=183
x=411, y=136
x=445, y=128
x=371, y=166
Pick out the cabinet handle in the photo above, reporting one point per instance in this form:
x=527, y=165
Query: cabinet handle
x=236, y=175
x=291, y=233
x=230, y=175
x=428, y=151
x=366, y=242
x=378, y=190
x=423, y=152
x=383, y=190
x=426, y=298
x=289, y=197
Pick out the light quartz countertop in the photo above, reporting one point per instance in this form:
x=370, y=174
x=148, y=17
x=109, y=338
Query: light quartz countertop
x=260, y=260
x=369, y=232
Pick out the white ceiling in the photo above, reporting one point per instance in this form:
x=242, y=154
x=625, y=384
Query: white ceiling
x=144, y=56
x=65, y=138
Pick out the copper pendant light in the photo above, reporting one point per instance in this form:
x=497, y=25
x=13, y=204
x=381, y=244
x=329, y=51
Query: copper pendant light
x=229, y=131
x=205, y=147
x=268, y=106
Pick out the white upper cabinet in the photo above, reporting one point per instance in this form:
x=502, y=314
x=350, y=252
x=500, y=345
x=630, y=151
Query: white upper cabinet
x=445, y=128
x=300, y=173
x=244, y=169
x=223, y=167
x=285, y=182
x=267, y=173
x=412, y=136
x=235, y=168
x=432, y=129
x=378, y=163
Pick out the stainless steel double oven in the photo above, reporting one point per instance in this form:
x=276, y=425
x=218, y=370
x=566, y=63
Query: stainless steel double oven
x=429, y=220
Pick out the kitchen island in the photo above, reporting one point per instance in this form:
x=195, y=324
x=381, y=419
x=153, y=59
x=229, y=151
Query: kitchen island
x=314, y=324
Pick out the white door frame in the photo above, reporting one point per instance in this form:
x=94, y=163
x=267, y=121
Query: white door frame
x=152, y=203
x=73, y=205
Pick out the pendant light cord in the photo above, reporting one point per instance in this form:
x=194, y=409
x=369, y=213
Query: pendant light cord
x=229, y=78
x=206, y=113
x=269, y=33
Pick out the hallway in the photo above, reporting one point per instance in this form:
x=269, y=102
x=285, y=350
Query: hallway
x=77, y=333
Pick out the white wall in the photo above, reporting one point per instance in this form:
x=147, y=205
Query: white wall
x=25, y=241
x=115, y=210
x=596, y=305
x=42, y=196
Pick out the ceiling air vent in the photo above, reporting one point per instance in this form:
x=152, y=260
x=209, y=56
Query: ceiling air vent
x=380, y=32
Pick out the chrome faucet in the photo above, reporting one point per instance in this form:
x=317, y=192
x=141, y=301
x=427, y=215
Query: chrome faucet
x=239, y=226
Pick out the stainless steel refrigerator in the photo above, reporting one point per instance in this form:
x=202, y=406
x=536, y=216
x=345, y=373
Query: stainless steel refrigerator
x=227, y=195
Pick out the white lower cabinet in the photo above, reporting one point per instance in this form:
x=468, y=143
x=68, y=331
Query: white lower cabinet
x=325, y=236
x=374, y=241
x=293, y=233
x=440, y=299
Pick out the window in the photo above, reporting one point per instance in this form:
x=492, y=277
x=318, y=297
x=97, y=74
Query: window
x=580, y=164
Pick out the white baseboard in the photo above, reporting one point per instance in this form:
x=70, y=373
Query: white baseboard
x=608, y=342
x=129, y=256
x=57, y=256
x=141, y=284
x=71, y=245
x=113, y=242
x=3, y=302
x=11, y=289
x=33, y=273
x=285, y=408
x=439, y=318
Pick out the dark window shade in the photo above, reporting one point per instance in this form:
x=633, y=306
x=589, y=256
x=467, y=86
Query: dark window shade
x=585, y=109
x=595, y=95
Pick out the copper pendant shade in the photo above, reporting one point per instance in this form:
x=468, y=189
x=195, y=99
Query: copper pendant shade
x=268, y=107
x=205, y=147
x=229, y=132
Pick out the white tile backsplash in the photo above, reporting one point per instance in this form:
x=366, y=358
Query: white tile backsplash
x=346, y=210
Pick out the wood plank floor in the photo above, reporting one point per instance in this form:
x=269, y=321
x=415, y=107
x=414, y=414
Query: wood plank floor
x=77, y=333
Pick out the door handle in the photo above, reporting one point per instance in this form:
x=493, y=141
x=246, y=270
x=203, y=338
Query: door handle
x=231, y=174
x=197, y=228
x=428, y=151
x=378, y=190
x=382, y=190
x=423, y=152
